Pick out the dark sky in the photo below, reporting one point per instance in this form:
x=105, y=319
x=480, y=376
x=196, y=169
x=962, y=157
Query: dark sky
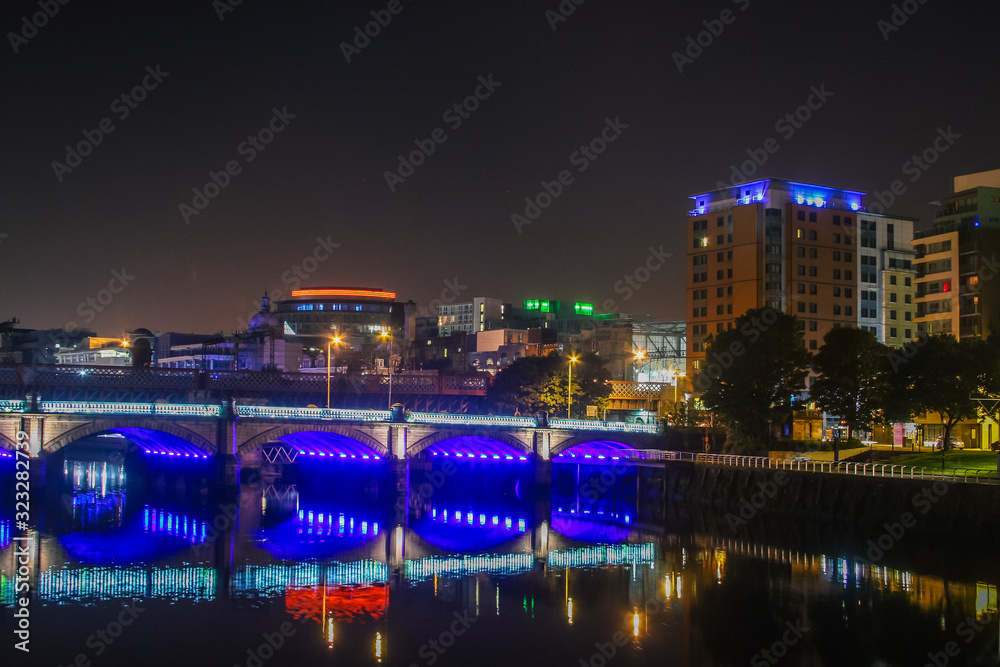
x=322, y=176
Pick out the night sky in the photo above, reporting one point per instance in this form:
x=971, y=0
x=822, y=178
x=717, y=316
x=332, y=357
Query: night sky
x=323, y=175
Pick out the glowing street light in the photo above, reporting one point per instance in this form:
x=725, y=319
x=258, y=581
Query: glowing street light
x=569, y=389
x=335, y=339
x=386, y=335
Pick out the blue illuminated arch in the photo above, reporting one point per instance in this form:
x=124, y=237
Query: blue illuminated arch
x=147, y=428
x=158, y=443
x=593, y=450
x=481, y=446
x=328, y=438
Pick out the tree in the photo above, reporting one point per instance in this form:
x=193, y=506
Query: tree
x=753, y=371
x=944, y=375
x=531, y=384
x=853, y=377
x=518, y=387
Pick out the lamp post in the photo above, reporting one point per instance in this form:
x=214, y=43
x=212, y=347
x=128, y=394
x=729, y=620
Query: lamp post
x=329, y=342
x=386, y=335
x=569, y=389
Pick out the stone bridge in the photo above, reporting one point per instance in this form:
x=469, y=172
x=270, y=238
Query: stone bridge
x=228, y=431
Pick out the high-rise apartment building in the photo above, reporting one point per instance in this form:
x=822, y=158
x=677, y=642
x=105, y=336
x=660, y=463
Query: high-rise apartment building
x=958, y=259
x=798, y=248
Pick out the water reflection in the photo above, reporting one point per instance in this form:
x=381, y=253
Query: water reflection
x=477, y=571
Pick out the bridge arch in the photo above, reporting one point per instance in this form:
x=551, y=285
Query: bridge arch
x=7, y=444
x=277, y=433
x=605, y=441
x=420, y=445
x=102, y=425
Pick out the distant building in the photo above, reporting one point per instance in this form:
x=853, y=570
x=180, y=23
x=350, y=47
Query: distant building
x=38, y=346
x=480, y=314
x=96, y=351
x=496, y=349
x=797, y=248
x=957, y=260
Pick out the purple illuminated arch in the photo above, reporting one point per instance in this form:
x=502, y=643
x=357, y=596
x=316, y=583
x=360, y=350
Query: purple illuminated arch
x=159, y=443
x=325, y=445
x=475, y=447
x=594, y=450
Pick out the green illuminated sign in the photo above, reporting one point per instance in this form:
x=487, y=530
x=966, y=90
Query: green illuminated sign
x=583, y=308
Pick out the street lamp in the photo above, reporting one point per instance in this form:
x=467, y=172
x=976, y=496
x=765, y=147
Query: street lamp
x=569, y=389
x=386, y=335
x=330, y=341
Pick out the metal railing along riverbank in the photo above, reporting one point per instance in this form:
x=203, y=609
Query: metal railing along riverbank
x=896, y=471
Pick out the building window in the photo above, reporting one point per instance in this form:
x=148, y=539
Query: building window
x=718, y=327
x=812, y=344
x=800, y=270
x=908, y=316
x=718, y=291
x=813, y=253
x=836, y=291
x=813, y=271
x=802, y=306
x=848, y=292
x=907, y=298
x=812, y=235
x=729, y=309
x=719, y=256
x=836, y=310
x=892, y=297
x=848, y=257
x=812, y=325
x=908, y=333
x=892, y=280
x=836, y=219
x=798, y=233
x=847, y=276
x=836, y=274
x=718, y=239
x=906, y=282
x=813, y=308
x=729, y=290
x=719, y=274
x=836, y=238
x=719, y=221
x=849, y=311
x=801, y=288
x=892, y=332
x=812, y=216
x=812, y=289
x=800, y=215
x=800, y=251
x=873, y=313
x=719, y=310
x=836, y=255
x=892, y=314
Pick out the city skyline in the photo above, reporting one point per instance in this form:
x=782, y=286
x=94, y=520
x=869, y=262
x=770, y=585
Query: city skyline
x=616, y=114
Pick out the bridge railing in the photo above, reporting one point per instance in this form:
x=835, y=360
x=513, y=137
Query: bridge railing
x=587, y=425
x=270, y=412
x=13, y=406
x=471, y=420
x=101, y=408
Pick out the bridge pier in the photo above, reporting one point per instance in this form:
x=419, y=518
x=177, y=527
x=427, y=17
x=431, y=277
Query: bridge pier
x=399, y=484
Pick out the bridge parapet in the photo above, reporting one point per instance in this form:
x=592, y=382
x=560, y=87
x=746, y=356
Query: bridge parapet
x=269, y=412
x=102, y=408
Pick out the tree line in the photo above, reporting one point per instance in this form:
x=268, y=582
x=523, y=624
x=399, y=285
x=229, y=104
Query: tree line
x=754, y=376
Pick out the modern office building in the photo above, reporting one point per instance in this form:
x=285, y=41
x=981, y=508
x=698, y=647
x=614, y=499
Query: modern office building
x=794, y=247
x=957, y=260
x=481, y=314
